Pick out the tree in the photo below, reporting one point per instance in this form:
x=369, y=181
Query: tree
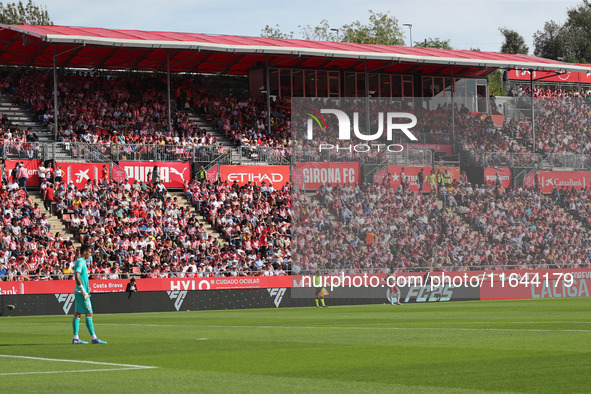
x=550, y=42
x=434, y=43
x=382, y=29
x=514, y=42
x=577, y=48
x=322, y=32
x=21, y=14
x=274, y=32
x=496, y=84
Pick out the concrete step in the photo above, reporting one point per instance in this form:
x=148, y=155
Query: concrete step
x=17, y=113
x=21, y=120
x=10, y=107
x=584, y=227
x=24, y=119
x=312, y=197
x=57, y=225
x=453, y=213
x=185, y=203
x=206, y=125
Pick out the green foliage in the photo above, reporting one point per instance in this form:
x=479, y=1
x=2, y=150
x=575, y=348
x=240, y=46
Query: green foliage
x=275, y=32
x=577, y=31
x=24, y=14
x=570, y=41
x=434, y=43
x=550, y=42
x=382, y=29
x=496, y=84
x=322, y=32
x=514, y=42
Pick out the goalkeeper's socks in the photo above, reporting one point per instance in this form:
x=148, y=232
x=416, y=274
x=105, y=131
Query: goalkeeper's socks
x=317, y=302
x=90, y=327
x=323, y=304
x=76, y=326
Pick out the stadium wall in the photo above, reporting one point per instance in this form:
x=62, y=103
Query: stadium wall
x=162, y=295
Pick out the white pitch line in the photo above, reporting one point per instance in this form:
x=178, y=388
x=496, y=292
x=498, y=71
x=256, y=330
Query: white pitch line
x=516, y=322
x=177, y=325
x=405, y=328
x=84, y=370
x=352, y=328
x=368, y=328
x=79, y=361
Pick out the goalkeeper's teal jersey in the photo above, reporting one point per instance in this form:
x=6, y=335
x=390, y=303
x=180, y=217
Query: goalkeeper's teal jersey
x=80, y=266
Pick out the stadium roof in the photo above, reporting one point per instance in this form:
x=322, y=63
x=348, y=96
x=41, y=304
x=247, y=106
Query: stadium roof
x=81, y=47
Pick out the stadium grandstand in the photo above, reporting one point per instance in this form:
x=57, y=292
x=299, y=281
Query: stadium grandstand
x=181, y=155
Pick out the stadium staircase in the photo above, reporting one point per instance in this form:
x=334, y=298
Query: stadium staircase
x=209, y=229
x=23, y=118
x=518, y=141
x=228, y=144
x=575, y=219
x=57, y=225
x=312, y=196
x=453, y=213
x=19, y=116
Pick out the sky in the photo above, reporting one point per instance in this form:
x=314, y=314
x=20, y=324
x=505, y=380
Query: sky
x=468, y=24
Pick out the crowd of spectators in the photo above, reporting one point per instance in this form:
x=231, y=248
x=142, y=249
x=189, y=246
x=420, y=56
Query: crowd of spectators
x=140, y=229
x=254, y=220
x=561, y=120
x=524, y=227
x=549, y=91
x=380, y=228
x=16, y=142
x=244, y=120
x=110, y=109
x=29, y=247
x=462, y=227
x=130, y=109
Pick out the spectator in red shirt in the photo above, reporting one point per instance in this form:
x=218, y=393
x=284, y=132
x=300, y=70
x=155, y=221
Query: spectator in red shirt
x=48, y=197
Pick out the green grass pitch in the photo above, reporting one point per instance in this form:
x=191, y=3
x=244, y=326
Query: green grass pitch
x=499, y=346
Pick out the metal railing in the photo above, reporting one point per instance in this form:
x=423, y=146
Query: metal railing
x=411, y=157
x=406, y=157
x=575, y=162
x=123, y=152
x=263, y=154
x=100, y=153
x=512, y=112
x=370, y=176
x=532, y=160
x=25, y=151
x=225, y=158
x=499, y=159
x=304, y=155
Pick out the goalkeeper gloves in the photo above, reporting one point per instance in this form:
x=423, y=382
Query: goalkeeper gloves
x=84, y=294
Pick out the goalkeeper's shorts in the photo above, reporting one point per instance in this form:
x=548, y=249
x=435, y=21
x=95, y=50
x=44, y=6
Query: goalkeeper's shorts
x=82, y=305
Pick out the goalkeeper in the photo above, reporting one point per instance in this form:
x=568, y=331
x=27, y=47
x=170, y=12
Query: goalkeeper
x=393, y=292
x=82, y=297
